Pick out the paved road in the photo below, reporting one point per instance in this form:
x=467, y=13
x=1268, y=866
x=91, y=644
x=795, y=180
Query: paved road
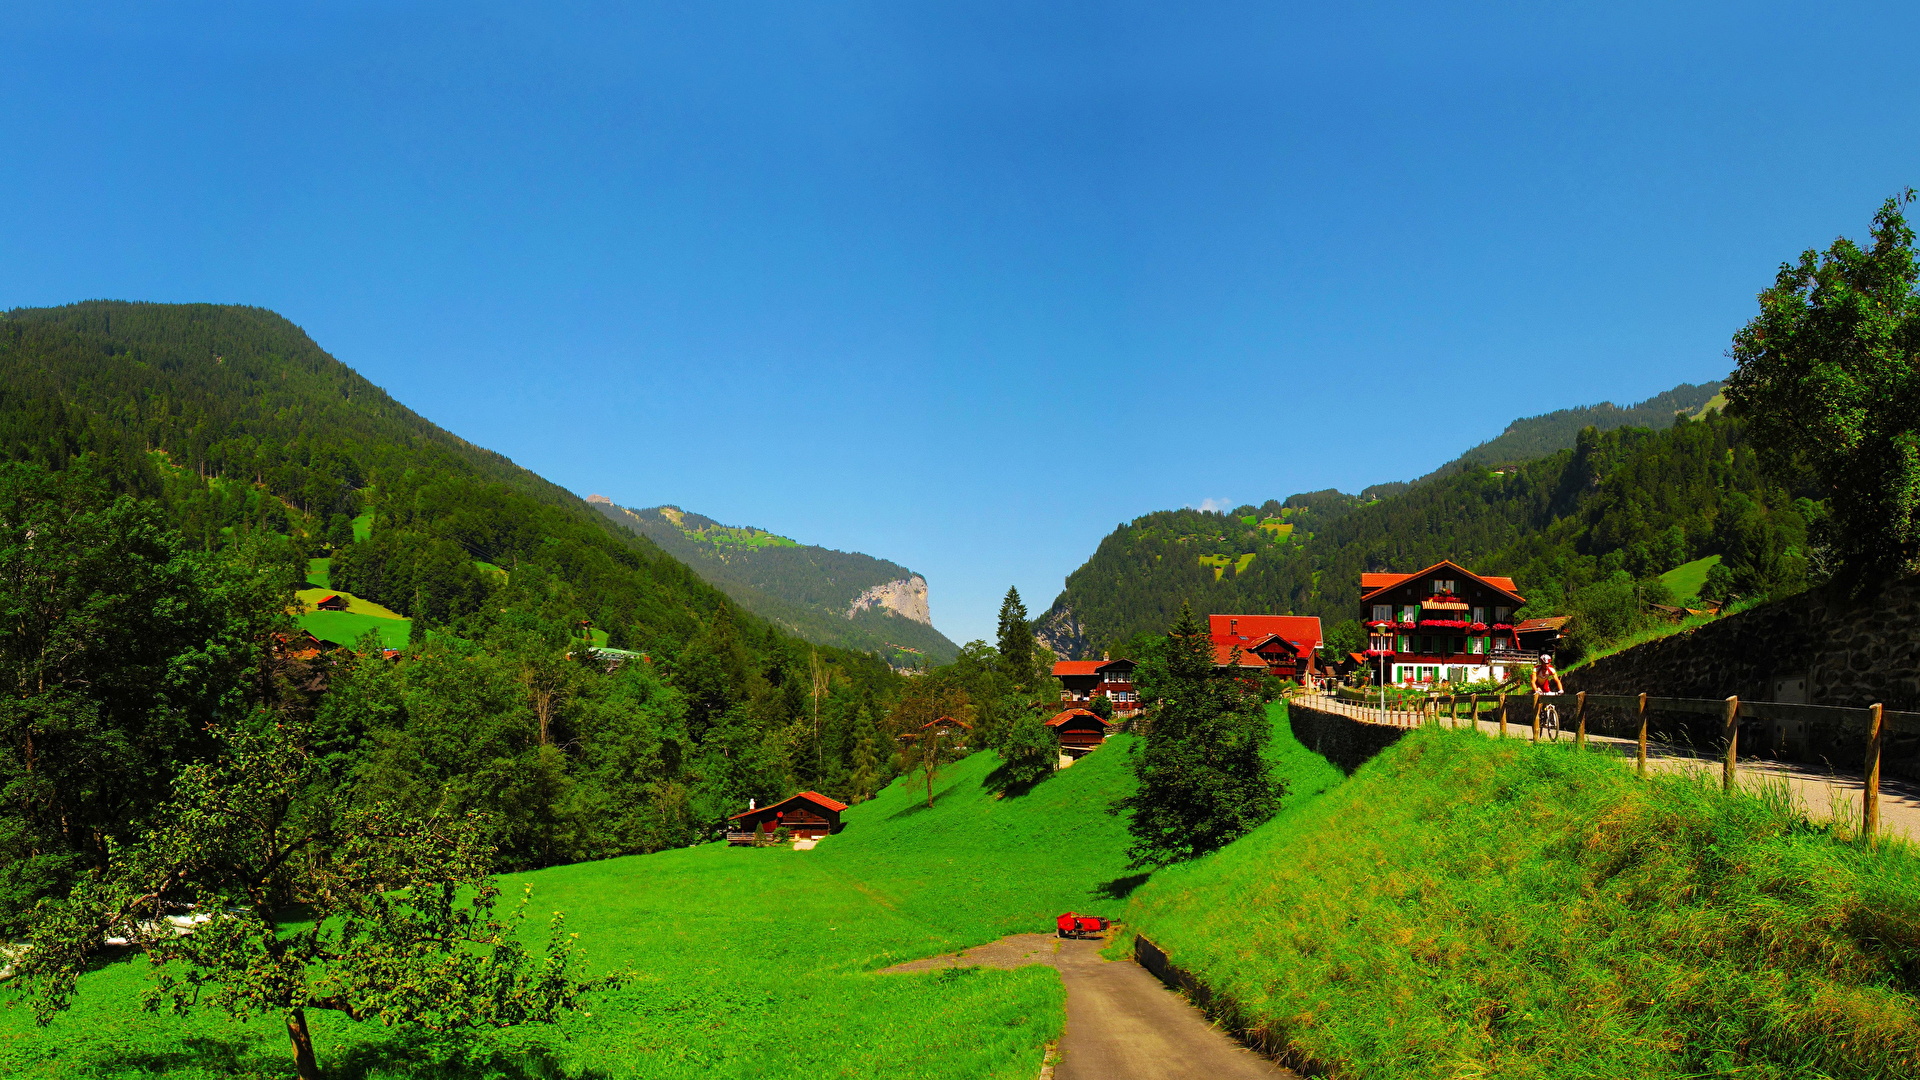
x=1822, y=793
x=1122, y=1024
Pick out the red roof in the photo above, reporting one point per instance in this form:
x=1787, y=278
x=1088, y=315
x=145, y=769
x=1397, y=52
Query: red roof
x=1223, y=655
x=1087, y=667
x=1071, y=713
x=813, y=797
x=1302, y=631
x=1373, y=583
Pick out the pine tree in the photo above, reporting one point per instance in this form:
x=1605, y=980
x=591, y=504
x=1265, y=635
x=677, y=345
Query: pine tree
x=1203, y=777
x=1016, y=639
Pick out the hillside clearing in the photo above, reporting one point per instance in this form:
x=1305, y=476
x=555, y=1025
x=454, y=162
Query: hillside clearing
x=1687, y=579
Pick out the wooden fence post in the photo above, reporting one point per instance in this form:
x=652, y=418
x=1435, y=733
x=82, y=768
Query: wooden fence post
x=1580, y=719
x=1536, y=716
x=1640, y=762
x=1503, y=714
x=1870, y=797
x=1473, y=712
x=1733, y=743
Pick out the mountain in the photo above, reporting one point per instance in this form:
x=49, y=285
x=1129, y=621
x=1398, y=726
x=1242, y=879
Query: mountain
x=828, y=597
x=1574, y=528
x=1533, y=437
x=172, y=476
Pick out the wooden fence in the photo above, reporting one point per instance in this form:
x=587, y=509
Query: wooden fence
x=1875, y=722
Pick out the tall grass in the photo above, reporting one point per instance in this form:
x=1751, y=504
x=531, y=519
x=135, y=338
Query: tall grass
x=1465, y=907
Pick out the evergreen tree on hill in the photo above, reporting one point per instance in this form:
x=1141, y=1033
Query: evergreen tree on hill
x=1016, y=639
x=1203, y=777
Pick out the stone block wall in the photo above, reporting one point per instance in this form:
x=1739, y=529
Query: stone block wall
x=1346, y=742
x=1823, y=647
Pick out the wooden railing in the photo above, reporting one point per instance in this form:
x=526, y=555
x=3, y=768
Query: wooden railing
x=1874, y=721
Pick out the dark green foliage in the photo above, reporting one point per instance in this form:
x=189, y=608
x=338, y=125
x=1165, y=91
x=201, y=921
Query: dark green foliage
x=1828, y=381
x=1031, y=751
x=1628, y=500
x=1101, y=706
x=1203, y=777
x=1534, y=437
x=118, y=646
x=1015, y=639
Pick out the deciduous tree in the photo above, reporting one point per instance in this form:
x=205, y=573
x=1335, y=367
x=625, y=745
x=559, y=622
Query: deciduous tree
x=1829, y=381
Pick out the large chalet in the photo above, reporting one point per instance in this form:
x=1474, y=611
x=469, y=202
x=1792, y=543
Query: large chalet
x=1083, y=680
x=1443, y=624
x=1284, y=645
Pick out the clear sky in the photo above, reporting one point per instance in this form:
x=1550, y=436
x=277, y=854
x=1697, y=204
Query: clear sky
x=962, y=286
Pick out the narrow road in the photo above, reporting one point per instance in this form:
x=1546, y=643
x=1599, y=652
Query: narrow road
x=1122, y=1024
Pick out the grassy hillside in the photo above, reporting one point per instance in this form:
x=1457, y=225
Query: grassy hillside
x=1686, y=579
x=1469, y=907
x=751, y=962
x=805, y=589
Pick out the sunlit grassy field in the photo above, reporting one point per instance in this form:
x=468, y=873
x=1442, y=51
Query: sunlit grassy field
x=1465, y=907
x=750, y=962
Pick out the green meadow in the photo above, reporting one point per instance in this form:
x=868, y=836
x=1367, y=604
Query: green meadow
x=1687, y=579
x=1469, y=907
x=749, y=962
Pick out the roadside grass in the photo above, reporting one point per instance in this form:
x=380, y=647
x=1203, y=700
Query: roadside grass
x=750, y=962
x=1466, y=906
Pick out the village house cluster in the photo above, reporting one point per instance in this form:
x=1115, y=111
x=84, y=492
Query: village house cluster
x=1442, y=624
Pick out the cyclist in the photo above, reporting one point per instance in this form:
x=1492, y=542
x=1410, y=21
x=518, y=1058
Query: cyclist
x=1547, y=681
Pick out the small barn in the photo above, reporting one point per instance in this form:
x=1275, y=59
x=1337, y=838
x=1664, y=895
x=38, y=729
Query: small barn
x=1080, y=731
x=331, y=602
x=808, y=814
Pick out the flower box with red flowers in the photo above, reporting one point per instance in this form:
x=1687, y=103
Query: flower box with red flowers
x=1478, y=627
x=1405, y=626
x=1502, y=626
x=1443, y=624
x=1380, y=624
x=1379, y=652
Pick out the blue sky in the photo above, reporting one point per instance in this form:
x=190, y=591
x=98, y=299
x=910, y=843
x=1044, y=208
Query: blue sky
x=962, y=286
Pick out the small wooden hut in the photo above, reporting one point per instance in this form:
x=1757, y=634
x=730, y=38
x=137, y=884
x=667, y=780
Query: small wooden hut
x=1080, y=731
x=331, y=602
x=808, y=814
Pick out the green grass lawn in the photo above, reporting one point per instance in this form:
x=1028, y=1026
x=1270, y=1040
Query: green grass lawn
x=1467, y=907
x=346, y=627
x=320, y=573
x=1686, y=579
x=751, y=962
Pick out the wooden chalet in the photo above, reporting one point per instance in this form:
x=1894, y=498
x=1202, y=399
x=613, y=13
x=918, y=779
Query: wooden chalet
x=809, y=814
x=1284, y=645
x=1080, y=731
x=331, y=602
x=1443, y=624
x=1083, y=680
x=1542, y=636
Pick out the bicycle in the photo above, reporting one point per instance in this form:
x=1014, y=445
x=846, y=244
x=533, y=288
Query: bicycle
x=1550, y=722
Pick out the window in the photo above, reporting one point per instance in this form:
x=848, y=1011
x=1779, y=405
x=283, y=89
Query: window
x=1443, y=585
x=1383, y=613
x=1477, y=646
x=1502, y=614
x=1479, y=615
x=1406, y=643
x=1408, y=613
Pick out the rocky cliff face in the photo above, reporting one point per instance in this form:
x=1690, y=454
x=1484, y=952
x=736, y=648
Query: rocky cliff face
x=1060, y=630
x=906, y=597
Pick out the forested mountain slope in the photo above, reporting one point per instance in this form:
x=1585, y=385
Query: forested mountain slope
x=167, y=472
x=1617, y=509
x=1533, y=437
x=830, y=597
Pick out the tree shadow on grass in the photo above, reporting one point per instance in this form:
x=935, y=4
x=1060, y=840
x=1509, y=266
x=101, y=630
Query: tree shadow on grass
x=410, y=1055
x=1122, y=887
x=1002, y=780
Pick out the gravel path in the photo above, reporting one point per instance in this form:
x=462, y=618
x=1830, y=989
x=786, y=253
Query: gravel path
x=1122, y=1024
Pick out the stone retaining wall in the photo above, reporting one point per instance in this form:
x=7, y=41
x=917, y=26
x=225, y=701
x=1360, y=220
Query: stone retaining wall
x=1341, y=739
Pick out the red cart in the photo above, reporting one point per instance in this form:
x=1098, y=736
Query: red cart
x=1071, y=925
